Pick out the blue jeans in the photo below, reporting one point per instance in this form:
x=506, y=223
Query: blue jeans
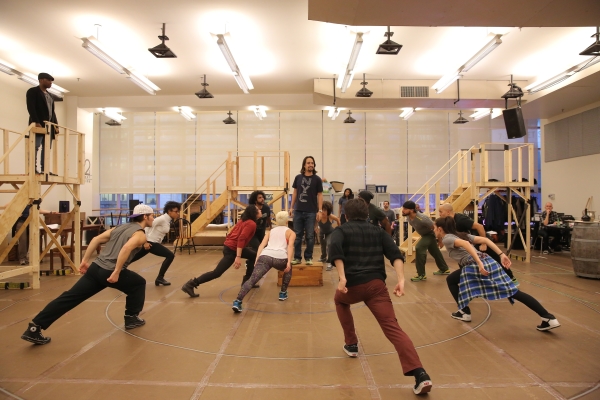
x=304, y=222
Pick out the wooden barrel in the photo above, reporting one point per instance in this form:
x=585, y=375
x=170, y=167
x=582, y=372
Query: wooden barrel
x=585, y=249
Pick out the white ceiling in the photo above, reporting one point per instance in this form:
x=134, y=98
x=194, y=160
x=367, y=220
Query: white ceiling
x=272, y=40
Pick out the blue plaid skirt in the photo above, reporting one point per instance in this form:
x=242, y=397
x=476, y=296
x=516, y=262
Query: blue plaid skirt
x=497, y=285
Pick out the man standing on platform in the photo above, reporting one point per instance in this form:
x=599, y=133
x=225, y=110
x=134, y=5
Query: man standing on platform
x=40, y=106
x=428, y=242
x=307, y=203
x=357, y=248
x=109, y=269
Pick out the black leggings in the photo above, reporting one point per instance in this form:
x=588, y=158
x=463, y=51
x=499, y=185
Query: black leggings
x=160, y=251
x=454, y=279
x=226, y=262
x=496, y=258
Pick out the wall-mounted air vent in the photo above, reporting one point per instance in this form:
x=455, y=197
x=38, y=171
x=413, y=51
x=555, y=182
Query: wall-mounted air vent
x=414, y=91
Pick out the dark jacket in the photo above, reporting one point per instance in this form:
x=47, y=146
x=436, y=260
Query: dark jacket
x=38, y=109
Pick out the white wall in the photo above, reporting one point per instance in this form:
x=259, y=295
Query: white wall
x=571, y=181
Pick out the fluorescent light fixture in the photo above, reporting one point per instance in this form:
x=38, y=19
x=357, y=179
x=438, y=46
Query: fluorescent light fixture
x=29, y=78
x=333, y=112
x=260, y=112
x=142, y=81
x=480, y=113
x=7, y=68
x=496, y=112
x=112, y=114
x=95, y=47
x=407, y=113
x=345, y=79
x=446, y=81
x=186, y=113
x=242, y=80
x=541, y=85
x=487, y=49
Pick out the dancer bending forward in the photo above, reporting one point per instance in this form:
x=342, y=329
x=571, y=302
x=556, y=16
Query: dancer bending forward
x=480, y=276
x=275, y=251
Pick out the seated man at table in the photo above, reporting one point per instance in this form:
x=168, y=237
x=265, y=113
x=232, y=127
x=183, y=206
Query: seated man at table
x=550, y=230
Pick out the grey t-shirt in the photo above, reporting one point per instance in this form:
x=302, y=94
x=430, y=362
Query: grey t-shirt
x=457, y=253
x=390, y=214
x=118, y=237
x=422, y=224
x=49, y=102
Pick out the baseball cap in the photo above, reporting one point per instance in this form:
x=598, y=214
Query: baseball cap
x=141, y=209
x=409, y=205
x=366, y=195
x=44, y=75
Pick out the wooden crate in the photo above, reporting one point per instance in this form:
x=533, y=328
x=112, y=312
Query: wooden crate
x=304, y=275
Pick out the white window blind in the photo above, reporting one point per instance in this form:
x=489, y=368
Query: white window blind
x=175, y=154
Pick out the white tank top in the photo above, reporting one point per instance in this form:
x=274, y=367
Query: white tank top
x=277, y=246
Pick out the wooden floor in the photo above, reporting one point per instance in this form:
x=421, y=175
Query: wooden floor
x=198, y=348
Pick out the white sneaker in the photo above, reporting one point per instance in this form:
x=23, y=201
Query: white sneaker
x=548, y=323
x=461, y=315
x=23, y=262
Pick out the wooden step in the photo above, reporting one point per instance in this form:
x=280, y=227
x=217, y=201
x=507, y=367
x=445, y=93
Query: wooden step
x=304, y=275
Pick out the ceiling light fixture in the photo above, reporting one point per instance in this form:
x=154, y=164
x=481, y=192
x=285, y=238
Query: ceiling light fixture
x=407, y=113
x=203, y=93
x=538, y=86
x=496, y=112
x=480, y=113
x=480, y=55
x=460, y=119
x=389, y=47
x=7, y=68
x=28, y=78
x=515, y=92
x=242, y=80
x=95, y=47
x=141, y=81
x=112, y=114
x=349, y=120
x=345, y=79
x=260, y=112
x=186, y=113
x=333, y=112
x=162, y=51
x=112, y=122
x=594, y=49
x=446, y=81
x=229, y=120
x=364, y=92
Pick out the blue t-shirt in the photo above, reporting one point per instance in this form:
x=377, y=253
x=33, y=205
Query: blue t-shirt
x=308, y=187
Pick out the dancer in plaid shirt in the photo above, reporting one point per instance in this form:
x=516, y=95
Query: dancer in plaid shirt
x=480, y=276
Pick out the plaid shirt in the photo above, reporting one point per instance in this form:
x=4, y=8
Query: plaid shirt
x=362, y=246
x=552, y=218
x=497, y=285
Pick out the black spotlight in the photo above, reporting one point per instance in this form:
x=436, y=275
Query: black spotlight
x=112, y=122
x=460, y=119
x=389, y=47
x=162, y=51
x=229, y=120
x=349, y=120
x=594, y=49
x=203, y=93
x=364, y=92
x=515, y=92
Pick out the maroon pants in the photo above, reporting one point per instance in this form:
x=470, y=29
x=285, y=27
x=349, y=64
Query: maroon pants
x=376, y=296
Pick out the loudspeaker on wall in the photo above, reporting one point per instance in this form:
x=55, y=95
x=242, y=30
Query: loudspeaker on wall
x=515, y=126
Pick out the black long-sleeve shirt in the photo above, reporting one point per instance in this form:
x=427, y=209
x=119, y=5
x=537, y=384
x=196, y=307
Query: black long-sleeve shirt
x=362, y=246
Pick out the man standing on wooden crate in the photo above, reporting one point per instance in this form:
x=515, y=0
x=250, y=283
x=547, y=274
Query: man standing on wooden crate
x=357, y=248
x=428, y=242
x=307, y=203
x=109, y=269
x=40, y=105
x=155, y=236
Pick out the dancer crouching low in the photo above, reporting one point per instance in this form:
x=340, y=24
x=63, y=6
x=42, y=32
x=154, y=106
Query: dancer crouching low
x=234, y=250
x=480, y=276
x=275, y=251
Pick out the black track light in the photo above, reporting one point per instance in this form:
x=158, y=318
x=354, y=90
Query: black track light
x=461, y=119
x=389, y=47
x=515, y=92
x=203, y=93
x=229, y=120
x=349, y=120
x=112, y=122
x=594, y=49
x=364, y=92
x=162, y=51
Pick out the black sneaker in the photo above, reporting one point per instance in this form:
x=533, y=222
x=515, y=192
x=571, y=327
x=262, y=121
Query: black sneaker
x=351, y=350
x=461, y=316
x=133, y=321
x=548, y=323
x=189, y=287
x=34, y=335
x=422, y=383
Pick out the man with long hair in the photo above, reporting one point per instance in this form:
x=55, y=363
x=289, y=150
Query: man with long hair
x=357, y=248
x=307, y=203
x=155, y=235
x=109, y=269
x=257, y=198
x=234, y=250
